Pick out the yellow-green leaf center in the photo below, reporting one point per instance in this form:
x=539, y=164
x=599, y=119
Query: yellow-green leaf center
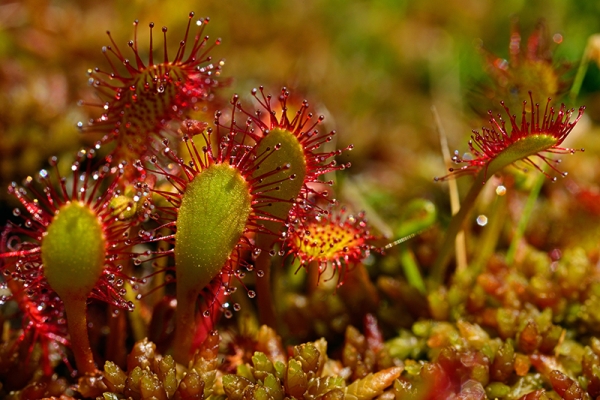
x=73, y=251
x=520, y=150
x=214, y=211
x=290, y=157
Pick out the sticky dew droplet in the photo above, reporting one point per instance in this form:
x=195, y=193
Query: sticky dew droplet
x=482, y=220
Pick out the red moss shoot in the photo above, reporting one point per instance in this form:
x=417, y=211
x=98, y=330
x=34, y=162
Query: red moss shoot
x=72, y=243
x=139, y=102
x=495, y=147
x=336, y=239
x=219, y=203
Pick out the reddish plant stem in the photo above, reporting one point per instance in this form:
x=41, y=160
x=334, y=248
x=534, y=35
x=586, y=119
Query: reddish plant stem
x=358, y=291
x=266, y=306
x=115, y=345
x=439, y=269
x=185, y=325
x=76, y=312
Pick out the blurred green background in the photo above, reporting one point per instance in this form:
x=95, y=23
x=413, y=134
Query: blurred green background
x=374, y=68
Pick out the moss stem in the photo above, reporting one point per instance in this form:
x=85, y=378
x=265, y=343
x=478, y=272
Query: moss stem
x=491, y=234
x=411, y=268
x=439, y=269
x=583, y=66
x=524, y=220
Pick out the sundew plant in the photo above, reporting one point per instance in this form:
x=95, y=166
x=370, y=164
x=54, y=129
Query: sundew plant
x=320, y=200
